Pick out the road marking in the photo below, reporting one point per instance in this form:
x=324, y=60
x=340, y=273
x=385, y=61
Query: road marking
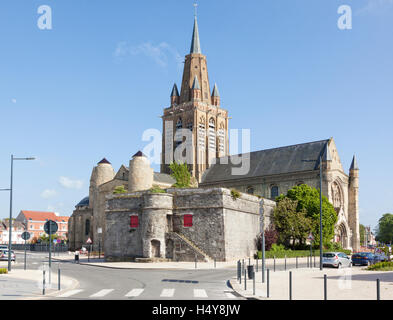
x=134, y=292
x=69, y=293
x=101, y=293
x=230, y=295
x=200, y=293
x=167, y=293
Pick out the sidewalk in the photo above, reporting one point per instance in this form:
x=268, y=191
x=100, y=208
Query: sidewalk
x=28, y=284
x=308, y=284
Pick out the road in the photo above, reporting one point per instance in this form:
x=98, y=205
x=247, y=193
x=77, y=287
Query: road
x=158, y=284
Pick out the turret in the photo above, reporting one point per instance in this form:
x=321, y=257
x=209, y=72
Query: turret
x=140, y=174
x=196, y=90
x=215, y=96
x=353, y=203
x=101, y=174
x=175, y=96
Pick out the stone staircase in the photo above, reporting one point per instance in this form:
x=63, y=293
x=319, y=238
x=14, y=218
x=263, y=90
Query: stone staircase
x=193, y=246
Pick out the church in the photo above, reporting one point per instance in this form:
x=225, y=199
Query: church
x=195, y=127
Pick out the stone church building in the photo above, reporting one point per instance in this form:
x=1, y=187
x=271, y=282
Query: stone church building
x=206, y=222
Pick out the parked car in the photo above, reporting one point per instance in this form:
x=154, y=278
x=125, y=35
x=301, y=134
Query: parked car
x=336, y=259
x=4, y=255
x=380, y=257
x=3, y=247
x=363, y=258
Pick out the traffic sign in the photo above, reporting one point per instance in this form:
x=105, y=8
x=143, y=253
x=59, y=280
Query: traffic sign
x=310, y=237
x=25, y=236
x=53, y=227
x=89, y=241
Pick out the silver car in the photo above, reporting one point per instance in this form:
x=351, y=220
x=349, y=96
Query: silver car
x=336, y=260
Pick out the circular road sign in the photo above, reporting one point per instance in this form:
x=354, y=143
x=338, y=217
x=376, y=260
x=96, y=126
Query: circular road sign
x=53, y=227
x=25, y=235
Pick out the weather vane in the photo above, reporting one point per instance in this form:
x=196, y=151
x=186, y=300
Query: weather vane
x=196, y=8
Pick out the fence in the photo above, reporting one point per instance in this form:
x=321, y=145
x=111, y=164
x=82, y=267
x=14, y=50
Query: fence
x=41, y=247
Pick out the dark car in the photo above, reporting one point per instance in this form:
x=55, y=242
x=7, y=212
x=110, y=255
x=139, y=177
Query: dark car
x=363, y=259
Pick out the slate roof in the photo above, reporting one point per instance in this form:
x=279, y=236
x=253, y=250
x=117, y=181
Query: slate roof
x=175, y=91
x=272, y=162
x=104, y=161
x=84, y=202
x=354, y=164
x=163, y=177
x=195, y=43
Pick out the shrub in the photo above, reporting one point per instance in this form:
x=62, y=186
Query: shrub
x=157, y=189
x=3, y=270
x=271, y=236
x=181, y=174
x=381, y=266
x=235, y=194
x=119, y=190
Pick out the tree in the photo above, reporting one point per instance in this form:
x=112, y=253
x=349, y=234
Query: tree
x=271, y=237
x=308, y=199
x=362, y=230
x=181, y=174
x=45, y=237
x=291, y=224
x=385, y=228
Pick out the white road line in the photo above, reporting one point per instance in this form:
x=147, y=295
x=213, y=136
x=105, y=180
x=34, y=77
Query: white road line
x=134, y=292
x=167, y=293
x=200, y=293
x=230, y=295
x=101, y=293
x=69, y=293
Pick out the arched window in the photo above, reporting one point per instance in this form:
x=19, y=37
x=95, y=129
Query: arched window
x=190, y=125
x=273, y=192
x=250, y=190
x=179, y=124
x=87, y=227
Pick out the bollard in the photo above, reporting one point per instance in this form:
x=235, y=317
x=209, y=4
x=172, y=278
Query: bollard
x=307, y=261
x=285, y=262
x=58, y=277
x=195, y=261
x=43, y=283
x=325, y=286
x=214, y=263
x=267, y=287
x=253, y=283
x=274, y=268
x=238, y=269
x=243, y=266
x=245, y=279
x=256, y=262
x=314, y=261
x=296, y=261
x=290, y=285
x=378, y=290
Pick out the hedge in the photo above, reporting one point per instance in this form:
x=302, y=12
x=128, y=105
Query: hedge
x=3, y=270
x=381, y=266
x=293, y=253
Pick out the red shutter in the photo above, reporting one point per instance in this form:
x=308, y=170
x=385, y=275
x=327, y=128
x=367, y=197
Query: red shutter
x=134, y=222
x=187, y=219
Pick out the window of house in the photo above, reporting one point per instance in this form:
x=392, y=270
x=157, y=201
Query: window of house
x=274, y=192
x=187, y=220
x=134, y=221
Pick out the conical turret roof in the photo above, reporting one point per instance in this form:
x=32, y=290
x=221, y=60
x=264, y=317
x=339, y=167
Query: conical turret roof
x=104, y=161
x=175, y=91
x=215, y=92
x=196, y=85
x=354, y=164
x=195, y=43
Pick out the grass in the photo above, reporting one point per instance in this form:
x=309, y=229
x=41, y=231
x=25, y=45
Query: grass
x=3, y=270
x=381, y=266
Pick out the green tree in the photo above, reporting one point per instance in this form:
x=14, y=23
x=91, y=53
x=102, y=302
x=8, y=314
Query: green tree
x=308, y=199
x=362, y=230
x=291, y=224
x=181, y=174
x=385, y=228
x=45, y=237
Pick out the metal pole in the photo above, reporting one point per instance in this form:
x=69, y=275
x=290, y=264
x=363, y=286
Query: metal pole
x=240, y=272
x=99, y=249
x=249, y=261
x=253, y=282
x=43, y=283
x=307, y=261
x=214, y=263
x=290, y=285
x=310, y=254
x=25, y=254
x=195, y=261
x=10, y=222
x=285, y=262
x=256, y=263
x=320, y=214
x=274, y=268
x=50, y=247
x=263, y=240
x=268, y=282
x=325, y=286
x=245, y=279
x=378, y=290
x=58, y=276
x=88, y=254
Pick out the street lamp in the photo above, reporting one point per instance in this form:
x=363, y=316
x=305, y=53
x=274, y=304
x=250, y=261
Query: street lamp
x=10, y=223
x=262, y=215
x=320, y=210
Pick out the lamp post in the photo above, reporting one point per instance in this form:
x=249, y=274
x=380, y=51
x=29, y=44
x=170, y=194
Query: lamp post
x=320, y=210
x=262, y=214
x=10, y=223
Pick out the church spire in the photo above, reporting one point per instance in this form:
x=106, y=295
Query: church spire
x=195, y=43
x=354, y=164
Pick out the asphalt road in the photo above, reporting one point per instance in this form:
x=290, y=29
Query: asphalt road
x=144, y=284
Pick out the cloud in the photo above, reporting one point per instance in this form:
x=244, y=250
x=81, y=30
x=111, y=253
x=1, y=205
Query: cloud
x=375, y=6
x=13, y=100
x=161, y=54
x=70, y=184
x=48, y=193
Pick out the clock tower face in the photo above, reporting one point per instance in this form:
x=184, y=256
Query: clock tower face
x=195, y=127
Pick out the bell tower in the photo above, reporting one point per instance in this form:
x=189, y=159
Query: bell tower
x=198, y=110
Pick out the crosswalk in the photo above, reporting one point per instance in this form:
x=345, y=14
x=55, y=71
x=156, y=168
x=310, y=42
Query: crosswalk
x=137, y=292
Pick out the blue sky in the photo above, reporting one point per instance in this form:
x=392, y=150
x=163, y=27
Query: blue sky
x=91, y=86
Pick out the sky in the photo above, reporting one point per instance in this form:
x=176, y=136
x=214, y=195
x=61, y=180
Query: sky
x=90, y=86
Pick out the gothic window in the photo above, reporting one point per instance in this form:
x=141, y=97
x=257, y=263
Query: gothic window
x=201, y=132
x=250, y=190
x=221, y=138
x=274, y=192
x=179, y=124
x=87, y=227
x=336, y=196
x=212, y=135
